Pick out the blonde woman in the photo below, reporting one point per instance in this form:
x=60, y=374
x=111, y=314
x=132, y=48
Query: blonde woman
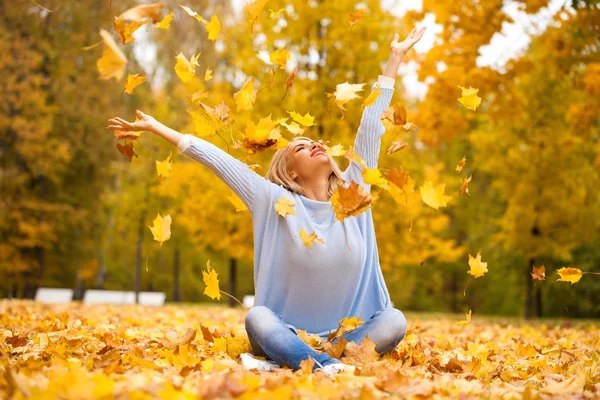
x=300, y=287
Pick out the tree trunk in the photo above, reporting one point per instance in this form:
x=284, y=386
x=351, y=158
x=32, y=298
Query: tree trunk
x=232, y=279
x=138, y=258
x=528, y=291
x=176, y=274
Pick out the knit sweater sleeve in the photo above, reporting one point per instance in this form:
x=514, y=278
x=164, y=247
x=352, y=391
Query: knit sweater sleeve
x=367, y=143
x=237, y=175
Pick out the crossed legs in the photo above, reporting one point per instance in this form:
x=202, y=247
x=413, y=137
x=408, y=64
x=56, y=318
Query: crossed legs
x=271, y=337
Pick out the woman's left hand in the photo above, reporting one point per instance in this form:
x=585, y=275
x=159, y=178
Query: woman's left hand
x=400, y=48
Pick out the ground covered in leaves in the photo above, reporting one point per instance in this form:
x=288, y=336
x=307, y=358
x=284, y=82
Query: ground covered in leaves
x=78, y=351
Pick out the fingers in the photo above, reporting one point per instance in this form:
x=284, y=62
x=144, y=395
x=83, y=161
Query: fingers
x=115, y=127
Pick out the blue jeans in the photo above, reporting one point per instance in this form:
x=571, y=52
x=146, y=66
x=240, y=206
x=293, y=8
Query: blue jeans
x=271, y=337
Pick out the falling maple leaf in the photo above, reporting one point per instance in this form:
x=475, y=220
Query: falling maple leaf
x=211, y=281
x=194, y=14
x=353, y=156
x=208, y=74
x=237, y=202
x=143, y=11
x=284, y=206
x=466, y=321
x=469, y=98
x=306, y=119
x=185, y=69
x=133, y=81
x=127, y=150
x=213, y=27
x=477, y=267
x=113, y=62
x=572, y=275
x=396, y=114
x=165, y=23
x=280, y=57
x=335, y=151
x=125, y=30
x=351, y=201
x=355, y=17
x=253, y=10
x=345, y=92
x=309, y=239
x=373, y=176
x=246, y=96
x=434, y=197
x=370, y=100
x=161, y=229
x=461, y=164
x=164, y=168
x=539, y=273
x=262, y=136
x=395, y=146
x=294, y=128
x=464, y=185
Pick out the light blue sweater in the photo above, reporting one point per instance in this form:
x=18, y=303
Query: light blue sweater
x=310, y=288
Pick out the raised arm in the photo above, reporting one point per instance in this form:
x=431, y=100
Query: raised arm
x=368, y=137
x=236, y=174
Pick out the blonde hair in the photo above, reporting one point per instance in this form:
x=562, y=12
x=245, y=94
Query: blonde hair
x=278, y=171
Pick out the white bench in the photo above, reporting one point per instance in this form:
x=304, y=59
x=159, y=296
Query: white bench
x=93, y=296
x=248, y=301
x=53, y=295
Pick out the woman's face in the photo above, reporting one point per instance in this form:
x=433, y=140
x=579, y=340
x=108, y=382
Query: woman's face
x=308, y=160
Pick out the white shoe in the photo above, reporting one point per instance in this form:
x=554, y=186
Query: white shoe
x=248, y=361
x=331, y=369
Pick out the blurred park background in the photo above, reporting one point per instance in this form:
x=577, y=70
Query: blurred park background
x=74, y=212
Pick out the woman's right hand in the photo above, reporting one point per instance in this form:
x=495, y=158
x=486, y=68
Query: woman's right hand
x=146, y=123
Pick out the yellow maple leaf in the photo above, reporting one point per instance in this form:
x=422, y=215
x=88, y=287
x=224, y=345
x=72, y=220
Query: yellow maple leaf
x=372, y=97
x=294, y=128
x=285, y=206
x=164, y=168
x=113, y=62
x=434, y=197
x=213, y=28
x=166, y=21
x=125, y=30
x=208, y=74
x=142, y=12
x=194, y=14
x=310, y=239
x=466, y=321
x=477, y=267
x=246, y=96
x=335, y=151
x=211, y=281
x=345, y=92
x=469, y=98
x=461, y=164
x=464, y=185
x=133, y=81
x=306, y=119
x=572, y=275
x=237, y=202
x=262, y=136
x=280, y=57
x=373, y=176
x=185, y=69
x=353, y=156
x=161, y=229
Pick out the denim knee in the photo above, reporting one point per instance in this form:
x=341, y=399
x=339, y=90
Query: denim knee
x=254, y=316
x=395, y=323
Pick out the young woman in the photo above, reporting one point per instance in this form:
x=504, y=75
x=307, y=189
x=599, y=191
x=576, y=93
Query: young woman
x=300, y=287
